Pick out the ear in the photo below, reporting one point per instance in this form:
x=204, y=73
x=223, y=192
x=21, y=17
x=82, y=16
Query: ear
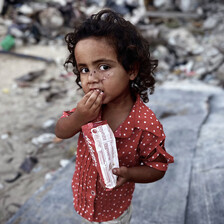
x=132, y=76
x=134, y=72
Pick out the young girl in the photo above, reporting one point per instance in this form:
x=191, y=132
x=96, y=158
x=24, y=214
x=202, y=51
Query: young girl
x=113, y=67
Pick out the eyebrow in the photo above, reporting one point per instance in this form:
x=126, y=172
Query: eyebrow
x=98, y=61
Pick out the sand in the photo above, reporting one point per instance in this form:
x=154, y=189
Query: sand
x=25, y=115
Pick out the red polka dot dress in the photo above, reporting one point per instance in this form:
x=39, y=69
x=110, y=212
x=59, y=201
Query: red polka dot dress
x=140, y=140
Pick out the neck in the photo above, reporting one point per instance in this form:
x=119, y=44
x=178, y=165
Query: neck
x=126, y=102
x=117, y=111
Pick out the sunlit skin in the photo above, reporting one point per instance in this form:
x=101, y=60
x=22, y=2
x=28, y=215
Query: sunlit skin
x=106, y=86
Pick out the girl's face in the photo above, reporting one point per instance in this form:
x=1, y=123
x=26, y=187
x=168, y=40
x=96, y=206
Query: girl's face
x=99, y=69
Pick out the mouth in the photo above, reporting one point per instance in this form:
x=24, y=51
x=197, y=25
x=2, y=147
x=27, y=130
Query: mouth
x=93, y=89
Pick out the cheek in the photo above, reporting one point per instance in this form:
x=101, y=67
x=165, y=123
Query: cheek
x=83, y=84
x=106, y=76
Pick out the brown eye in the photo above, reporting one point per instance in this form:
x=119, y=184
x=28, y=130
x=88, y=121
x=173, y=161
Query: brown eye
x=84, y=70
x=104, y=67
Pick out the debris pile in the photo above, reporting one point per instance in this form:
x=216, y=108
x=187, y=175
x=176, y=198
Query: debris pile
x=186, y=36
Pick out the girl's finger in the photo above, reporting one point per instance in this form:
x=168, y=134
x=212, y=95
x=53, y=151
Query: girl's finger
x=86, y=97
x=98, y=102
x=92, y=98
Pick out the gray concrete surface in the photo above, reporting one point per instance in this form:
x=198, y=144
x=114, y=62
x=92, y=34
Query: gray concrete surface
x=192, y=190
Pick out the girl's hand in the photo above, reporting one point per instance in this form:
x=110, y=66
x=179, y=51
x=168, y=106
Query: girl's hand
x=88, y=107
x=123, y=175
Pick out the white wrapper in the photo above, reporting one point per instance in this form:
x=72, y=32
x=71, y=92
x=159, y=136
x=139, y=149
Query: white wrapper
x=102, y=146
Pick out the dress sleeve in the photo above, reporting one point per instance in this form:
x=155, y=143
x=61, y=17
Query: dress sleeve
x=152, y=146
x=67, y=113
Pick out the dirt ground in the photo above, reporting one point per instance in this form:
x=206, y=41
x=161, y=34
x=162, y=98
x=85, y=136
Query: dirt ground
x=29, y=110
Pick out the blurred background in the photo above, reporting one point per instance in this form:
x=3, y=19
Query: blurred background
x=186, y=36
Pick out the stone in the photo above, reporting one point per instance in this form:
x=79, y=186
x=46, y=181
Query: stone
x=51, y=18
x=188, y=5
x=209, y=61
x=26, y=9
x=220, y=73
x=183, y=42
x=163, y=4
x=210, y=23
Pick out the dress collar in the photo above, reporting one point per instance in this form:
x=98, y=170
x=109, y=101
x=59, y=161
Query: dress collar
x=140, y=117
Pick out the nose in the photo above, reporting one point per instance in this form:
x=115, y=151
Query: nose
x=93, y=77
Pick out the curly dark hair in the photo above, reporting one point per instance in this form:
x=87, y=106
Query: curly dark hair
x=131, y=47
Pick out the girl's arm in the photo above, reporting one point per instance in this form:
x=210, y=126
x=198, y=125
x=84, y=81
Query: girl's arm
x=139, y=174
x=87, y=109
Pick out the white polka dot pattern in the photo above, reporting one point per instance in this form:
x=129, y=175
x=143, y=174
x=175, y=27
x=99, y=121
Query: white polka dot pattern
x=140, y=140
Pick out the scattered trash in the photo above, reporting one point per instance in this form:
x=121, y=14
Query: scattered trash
x=55, y=95
x=51, y=18
x=37, y=169
x=1, y=186
x=64, y=162
x=49, y=175
x=49, y=123
x=6, y=90
x=17, y=176
x=29, y=77
x=4, y=136
x=28, y=164
x=44, y=87
x=8, y=42
x=43, y=139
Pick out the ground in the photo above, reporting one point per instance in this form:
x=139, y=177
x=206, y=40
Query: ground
x=24, y=111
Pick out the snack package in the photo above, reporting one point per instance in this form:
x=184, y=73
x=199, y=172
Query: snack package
x=102, y=146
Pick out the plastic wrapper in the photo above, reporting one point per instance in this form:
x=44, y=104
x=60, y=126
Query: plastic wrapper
x=102, y=146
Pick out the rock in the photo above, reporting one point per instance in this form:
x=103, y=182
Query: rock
x=64, y=162
x=44, y=86
x=31, y=76
x=150, y=32
x=210, y=60
x=1, y=186
x=4, y=136
x=26, y=9
x=117, y=6
x=51, y=18
x=24, y=19
x=220, y=46
x=220, y=74
x=1, y=5
x=16, y=32
x=43, y=139
x=163, y=4
x=210, y=23
x=183, y=42
x=49, y=123
x=188, y=5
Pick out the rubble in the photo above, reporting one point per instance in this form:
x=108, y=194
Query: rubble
x=183, y=27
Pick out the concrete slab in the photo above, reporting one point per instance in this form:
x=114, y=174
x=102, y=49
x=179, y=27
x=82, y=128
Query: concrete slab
x=185, y=116
x=206, y=194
